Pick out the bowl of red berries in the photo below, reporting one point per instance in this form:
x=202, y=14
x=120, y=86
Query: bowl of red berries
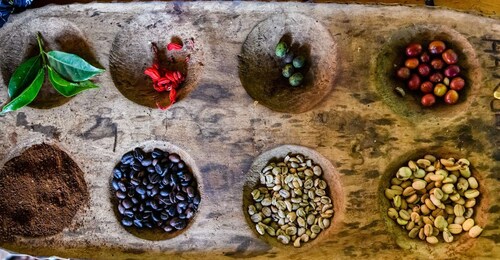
x=432, y=71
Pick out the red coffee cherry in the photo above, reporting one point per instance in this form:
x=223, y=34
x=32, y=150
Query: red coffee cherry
x=428, y=100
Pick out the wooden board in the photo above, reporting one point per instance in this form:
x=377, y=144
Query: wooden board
x=355, y=125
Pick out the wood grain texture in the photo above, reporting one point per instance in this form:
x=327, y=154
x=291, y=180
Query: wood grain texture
x=223, y=130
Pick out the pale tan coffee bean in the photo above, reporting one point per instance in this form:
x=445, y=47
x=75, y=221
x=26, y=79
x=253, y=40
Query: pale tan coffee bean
x=468, y=224
x=455, y=228
x=471, y=193
x=459, y=220
x=432, y=240
x=419, y=184
x=447, y=236
x=414, y=232
x=473, y=184
x=475, y=231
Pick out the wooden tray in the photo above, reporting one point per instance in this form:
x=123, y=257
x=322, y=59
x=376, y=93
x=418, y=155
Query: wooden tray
x=347, y=114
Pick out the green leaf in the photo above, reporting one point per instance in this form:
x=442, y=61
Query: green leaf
x=28, y=95
x=66, y=88
x=72, y=67
x=24, y=75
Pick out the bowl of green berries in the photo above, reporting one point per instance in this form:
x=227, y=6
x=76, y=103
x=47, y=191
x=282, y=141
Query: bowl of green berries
x=288, y=63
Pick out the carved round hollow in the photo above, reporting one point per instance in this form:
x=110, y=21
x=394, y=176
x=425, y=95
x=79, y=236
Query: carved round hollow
x=260, y=68
x=330, y=175
x=131, y=54
x=462, y=242
x=57, y=34
x=392, y=55
x=156, y=234
x=46, y=194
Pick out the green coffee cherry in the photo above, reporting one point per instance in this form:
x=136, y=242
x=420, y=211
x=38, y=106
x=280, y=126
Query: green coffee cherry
x=287, y=71
x=298, y=62
x=281, y=49
x=296, y=79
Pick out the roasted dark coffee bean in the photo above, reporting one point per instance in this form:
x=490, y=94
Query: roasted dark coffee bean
x=164, y=193
x=168, y=228
x=146, y=162
x=121, y=209
x=139, y=154
x=182, y=204
x=131, y=192
x=155, y=216
x=137, y=166
x=173, y=180
x=154, y=205
x=154, y=178
x=115, y=185
x=127, y=222
x=117, y=173
x=140, y=190
x=138, y=223
x=134, y=200
x=148, y=225
x=157, y=153
x=127, y=158
x=165, y=171
x=150, y=186
x=120, y=194
x=154, y=162
x=155, y=191
x=122, y=186
x=135, y=182
x=181, y=165
x=158, y=168
x=141, y=208
x=190, y=192
x=185, y=183
x=129, y=213
x=127, y=203
x=145, y=182
x=164, y=215
x=188, y=176
x=196, y=200
x=150, y=169
x=177, y=223
x=180, y=197
x=124, y=168
x=165, y=180
x=189, y=213
x=171, y=210
x=179, y=209
x=173, y=157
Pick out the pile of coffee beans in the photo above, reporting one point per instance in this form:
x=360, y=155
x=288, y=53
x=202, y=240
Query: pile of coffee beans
x=291, y=64
x=155, y=190
x=433, y=72
x=432, y=198
x=292, y=202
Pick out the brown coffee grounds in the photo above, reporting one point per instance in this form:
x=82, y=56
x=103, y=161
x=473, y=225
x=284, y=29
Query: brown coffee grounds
x=41, y=191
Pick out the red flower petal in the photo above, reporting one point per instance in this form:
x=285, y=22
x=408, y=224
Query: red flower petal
x=173, y=95
x=174, y=46
x=152, y=73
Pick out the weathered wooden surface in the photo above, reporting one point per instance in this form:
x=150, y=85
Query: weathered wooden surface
x=223, y=130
